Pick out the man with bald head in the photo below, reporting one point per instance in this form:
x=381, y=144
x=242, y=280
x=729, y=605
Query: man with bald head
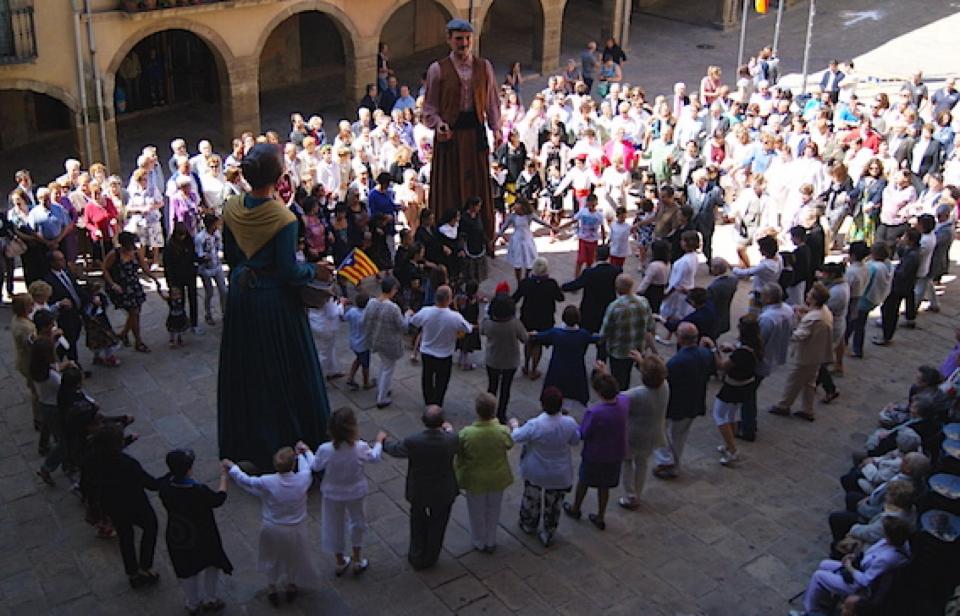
x=440, y=326
x=627, y=326
x=431, y=483
x=688, y=373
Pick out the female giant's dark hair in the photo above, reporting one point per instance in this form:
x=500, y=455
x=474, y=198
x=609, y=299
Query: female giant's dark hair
x=262, y=165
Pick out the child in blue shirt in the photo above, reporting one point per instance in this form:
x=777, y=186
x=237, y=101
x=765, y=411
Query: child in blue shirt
x=358, y=342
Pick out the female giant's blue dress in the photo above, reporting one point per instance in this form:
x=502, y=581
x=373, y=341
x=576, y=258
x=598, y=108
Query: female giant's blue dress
x=271, y=391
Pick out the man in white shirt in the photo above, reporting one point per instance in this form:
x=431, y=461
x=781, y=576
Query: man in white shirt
x=440, y=326
x=328, y=172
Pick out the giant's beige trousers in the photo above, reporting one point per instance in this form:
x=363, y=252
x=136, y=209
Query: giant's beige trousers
x=802, y=378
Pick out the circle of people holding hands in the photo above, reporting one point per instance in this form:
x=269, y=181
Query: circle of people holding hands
x=796, y=179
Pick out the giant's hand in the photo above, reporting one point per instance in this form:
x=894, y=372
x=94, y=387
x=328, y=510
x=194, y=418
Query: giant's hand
x=324, y=272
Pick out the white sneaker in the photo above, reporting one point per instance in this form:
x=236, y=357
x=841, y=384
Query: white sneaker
x=197, y=331
x=728, y=458
x=721, y=449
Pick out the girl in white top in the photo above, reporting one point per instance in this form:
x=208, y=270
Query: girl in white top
x=620, y=238
x=284, y=544
x=324, y=323
x=344, y=487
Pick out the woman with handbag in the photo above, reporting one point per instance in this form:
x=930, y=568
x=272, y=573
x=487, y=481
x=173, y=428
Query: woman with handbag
x=122, y=270
x=27, y=244
x=271, y=390
x=10, y=247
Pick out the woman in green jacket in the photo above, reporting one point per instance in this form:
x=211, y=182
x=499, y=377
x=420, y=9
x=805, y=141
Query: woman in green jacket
x=483, y=471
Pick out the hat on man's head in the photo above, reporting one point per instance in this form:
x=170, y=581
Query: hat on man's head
x=582, y=156
x=502, y=287
x=459, y=25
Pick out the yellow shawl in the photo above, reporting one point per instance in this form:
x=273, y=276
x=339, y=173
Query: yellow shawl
x=254, y=227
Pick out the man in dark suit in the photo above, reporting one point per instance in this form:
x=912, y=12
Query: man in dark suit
x=597, y=283
x=431, y=484
x=688, y=373
x=830, y=82
x=705, y=201
x=925, y=157
x=65, y=287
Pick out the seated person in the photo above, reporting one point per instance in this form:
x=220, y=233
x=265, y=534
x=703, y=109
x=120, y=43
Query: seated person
x=927, y=411
x=870, y=472
x=915, y=468
x=928, y=379
x=835, y=580
x=851, y=535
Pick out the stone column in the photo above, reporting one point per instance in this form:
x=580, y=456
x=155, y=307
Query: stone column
x=240, y=97
x=728, y=13
x=548, y=56
x=361, y=69
x=111, y=156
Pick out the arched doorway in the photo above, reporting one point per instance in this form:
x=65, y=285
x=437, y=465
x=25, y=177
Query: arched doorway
x=415, y=35
x=513, y=32
x=36, y=133
x=583, y=21
x=303, y=68
x=169, y=85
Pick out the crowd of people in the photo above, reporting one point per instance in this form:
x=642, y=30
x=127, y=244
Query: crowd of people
x=839, y=206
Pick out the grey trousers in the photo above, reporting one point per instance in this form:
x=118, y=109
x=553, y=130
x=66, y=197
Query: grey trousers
x=677, y=432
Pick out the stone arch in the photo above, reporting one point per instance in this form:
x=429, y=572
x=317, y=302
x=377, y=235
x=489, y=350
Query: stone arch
x=348, y=30
x=41, y=87
x=416, y=33
x=448, y=5
x=537, y=11
x=224, y=60
x=212, y=38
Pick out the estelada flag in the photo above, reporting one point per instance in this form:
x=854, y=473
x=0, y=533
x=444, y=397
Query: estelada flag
x=762, y=5
x=356, y=266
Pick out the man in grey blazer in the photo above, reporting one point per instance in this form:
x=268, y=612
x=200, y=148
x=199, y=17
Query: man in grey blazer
x=431, y=483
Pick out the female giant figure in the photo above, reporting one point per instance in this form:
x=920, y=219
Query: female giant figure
x=270, y=391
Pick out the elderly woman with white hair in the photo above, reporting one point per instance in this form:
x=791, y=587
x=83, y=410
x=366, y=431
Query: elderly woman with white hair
x=539, y=294
x=411, y=198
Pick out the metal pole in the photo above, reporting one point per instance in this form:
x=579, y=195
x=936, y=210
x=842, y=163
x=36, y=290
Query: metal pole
x=82, y=87
x=806, y=47
x=98, y=85
x=776, y=28
x=625, y=34
x=743, y=32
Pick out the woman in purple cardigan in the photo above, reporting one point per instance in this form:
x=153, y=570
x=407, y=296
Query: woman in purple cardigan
x=604, y=435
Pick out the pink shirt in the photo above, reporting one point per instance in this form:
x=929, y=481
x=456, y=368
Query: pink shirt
x=431, y=100
x=893, y=208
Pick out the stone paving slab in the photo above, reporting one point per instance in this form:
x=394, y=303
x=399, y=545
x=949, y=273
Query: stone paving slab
x=714, y=541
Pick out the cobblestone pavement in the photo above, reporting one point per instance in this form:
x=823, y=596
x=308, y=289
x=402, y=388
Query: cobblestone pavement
x=716, y=541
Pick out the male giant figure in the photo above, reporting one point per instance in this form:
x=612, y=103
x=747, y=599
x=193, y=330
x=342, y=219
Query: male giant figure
x=461, y=100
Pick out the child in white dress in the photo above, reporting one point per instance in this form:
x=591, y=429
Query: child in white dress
x=324, y=323
x=344, y=488
x=522, y=250
x=284, y=544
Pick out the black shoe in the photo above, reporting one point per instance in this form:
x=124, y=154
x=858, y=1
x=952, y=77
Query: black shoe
x=291, y=594
x=274, y=598
x=597, y=521
x=568, y=509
